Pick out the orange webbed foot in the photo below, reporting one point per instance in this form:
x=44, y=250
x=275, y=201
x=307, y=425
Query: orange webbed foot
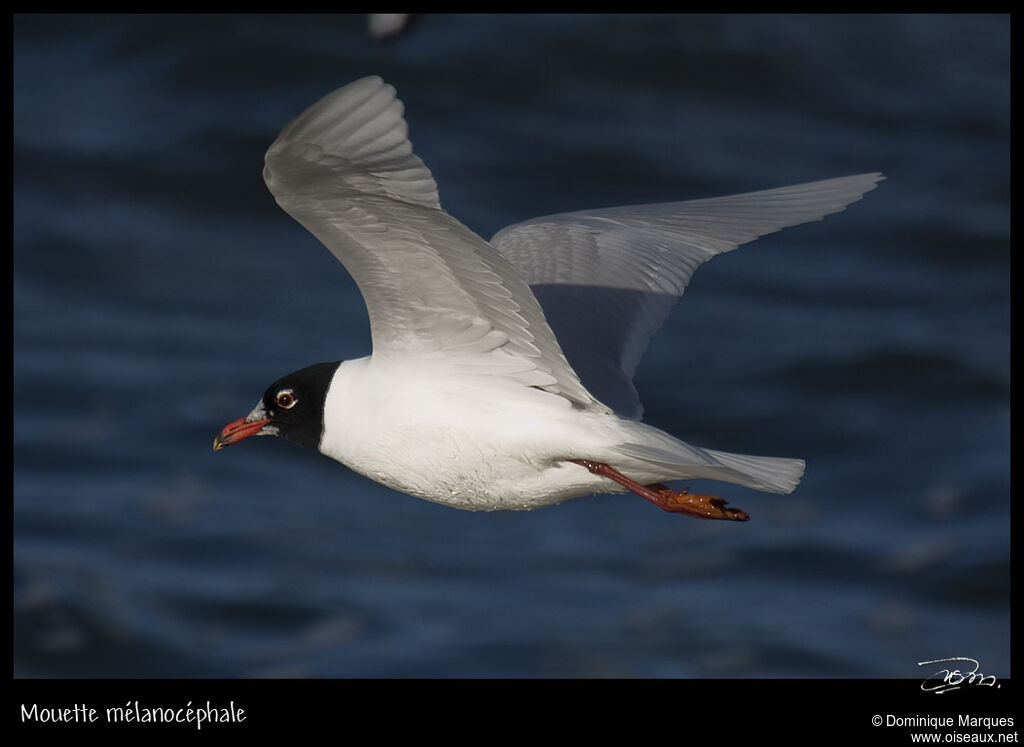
x=694, y=504
x=682, y=502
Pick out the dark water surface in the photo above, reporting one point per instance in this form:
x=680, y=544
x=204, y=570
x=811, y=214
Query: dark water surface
x=158, y=289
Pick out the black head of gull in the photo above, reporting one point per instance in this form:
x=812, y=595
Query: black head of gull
x=292, y=408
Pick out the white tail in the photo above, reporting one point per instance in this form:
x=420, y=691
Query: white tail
x=683, y=461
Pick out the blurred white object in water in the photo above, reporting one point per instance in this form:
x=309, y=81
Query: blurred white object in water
x=383, y=25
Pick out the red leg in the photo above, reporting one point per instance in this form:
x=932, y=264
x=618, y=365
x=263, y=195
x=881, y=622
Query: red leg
x=685, y=502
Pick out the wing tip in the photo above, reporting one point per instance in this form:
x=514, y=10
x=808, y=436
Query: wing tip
x=340, y=105
x=869, y=180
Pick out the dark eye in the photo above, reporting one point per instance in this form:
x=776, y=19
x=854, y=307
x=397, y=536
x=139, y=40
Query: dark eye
x=286, y=400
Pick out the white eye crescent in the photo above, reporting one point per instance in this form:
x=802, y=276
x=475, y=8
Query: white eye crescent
x=286, y=399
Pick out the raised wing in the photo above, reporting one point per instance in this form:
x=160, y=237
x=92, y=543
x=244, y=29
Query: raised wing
x=608, y=278
x=434, y=290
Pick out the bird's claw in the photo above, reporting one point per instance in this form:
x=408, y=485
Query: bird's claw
x=701, y=506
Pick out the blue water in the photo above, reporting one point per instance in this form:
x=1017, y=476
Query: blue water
x=158, y=289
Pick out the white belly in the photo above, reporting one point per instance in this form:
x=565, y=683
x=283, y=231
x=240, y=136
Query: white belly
x=472, y=444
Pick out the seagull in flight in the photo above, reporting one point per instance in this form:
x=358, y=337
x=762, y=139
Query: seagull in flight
x=501, y=373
